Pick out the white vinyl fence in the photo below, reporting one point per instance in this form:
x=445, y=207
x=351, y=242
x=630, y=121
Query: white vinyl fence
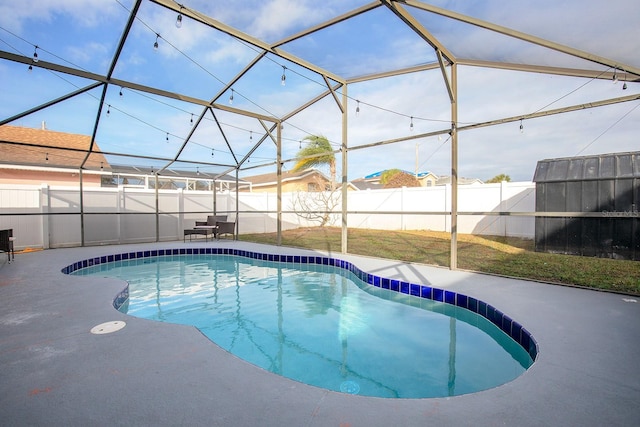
x=50, y=217
x=429, y=201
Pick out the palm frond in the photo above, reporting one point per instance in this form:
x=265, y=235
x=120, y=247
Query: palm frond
x=317, y=146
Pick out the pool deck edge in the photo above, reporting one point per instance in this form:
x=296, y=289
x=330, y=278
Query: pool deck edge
x=54, y=371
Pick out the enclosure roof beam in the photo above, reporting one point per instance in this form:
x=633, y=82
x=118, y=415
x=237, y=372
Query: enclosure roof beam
x=543, y=69
x=445, y=77
x=311, y=102
x=323, y=25
x=197, y=162
x=293, y=159
x=261, y=165
x=239, y=75
x=254, y=148
x=123, y=38
x=207, y=20
x=530, y=68
x=523, y=36
x=50, y=103
x=131, y=85
x=402, y=139
x=96, y=123
x=393, y=73
x=555, y=111
x=419, y=29
x=545, y=113
x=112, y=67
x=441, y=50
x=333, y=93
x=107, y=153
x=224, y=136
x=52, y=66
x=269, y=131
x=185, y=142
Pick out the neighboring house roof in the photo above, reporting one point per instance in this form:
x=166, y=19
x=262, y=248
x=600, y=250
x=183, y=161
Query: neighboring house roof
x=443, y=180
x=23, y=146
x=42, y=147
x=372, y=181
x=376, y=175
x=271, y=179
x=268, y=179
x=173, y=173
x=361, y=184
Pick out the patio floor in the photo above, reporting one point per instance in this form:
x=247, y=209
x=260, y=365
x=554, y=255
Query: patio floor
x=53, y=371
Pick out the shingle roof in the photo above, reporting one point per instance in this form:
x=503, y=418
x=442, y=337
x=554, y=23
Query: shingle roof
x=379, y=174
x=272, y=178
x=446, y=179
x=172, y=173
x=361, y=184
x=42, y=147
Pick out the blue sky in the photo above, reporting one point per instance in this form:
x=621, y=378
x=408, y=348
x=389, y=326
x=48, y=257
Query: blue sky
x=197, y=61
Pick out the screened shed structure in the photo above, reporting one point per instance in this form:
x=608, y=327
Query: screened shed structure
x=223, y=88
x=603, y=192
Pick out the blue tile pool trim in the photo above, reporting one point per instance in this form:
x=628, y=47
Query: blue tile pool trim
x=495, y=316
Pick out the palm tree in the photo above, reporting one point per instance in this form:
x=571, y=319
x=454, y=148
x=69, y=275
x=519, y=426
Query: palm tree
x=499, y=178
x=319, y=146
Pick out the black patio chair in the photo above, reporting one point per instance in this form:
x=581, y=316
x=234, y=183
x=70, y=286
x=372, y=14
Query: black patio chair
x=226, y=227
x=6, y=243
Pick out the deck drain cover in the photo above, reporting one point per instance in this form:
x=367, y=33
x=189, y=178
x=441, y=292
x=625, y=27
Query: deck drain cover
x=108, y=327
x=350, y=387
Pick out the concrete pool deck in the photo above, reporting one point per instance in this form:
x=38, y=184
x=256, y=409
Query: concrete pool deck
x=53, y=371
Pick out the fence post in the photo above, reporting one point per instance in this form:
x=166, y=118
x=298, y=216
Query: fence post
x=402, y=195
x=180, y=195
x=503, y=219
x=447, y=207
x=266, y=219
x=119, y=206
x=45, y=203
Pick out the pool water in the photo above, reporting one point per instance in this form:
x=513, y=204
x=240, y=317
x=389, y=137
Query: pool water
x=322, y=325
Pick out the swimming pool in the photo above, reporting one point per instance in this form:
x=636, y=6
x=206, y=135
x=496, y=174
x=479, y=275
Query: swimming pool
x=324, y=322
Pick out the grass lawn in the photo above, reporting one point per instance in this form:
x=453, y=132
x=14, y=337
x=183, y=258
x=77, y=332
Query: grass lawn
x=497, y=255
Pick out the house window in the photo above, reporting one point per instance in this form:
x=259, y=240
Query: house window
x=312, y=186
x=108, y=181
x=167, y=184
x=122, y=180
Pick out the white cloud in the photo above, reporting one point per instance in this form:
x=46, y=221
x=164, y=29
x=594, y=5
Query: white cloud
x=229, y=50
x=273, y=19
x=575, y=22
x=278, y=16
x=14, y=15
x=87, y=52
